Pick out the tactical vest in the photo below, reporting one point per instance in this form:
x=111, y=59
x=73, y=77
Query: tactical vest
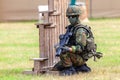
x=90, y=44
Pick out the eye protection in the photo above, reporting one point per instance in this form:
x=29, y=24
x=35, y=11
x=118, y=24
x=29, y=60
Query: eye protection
x=73, y=16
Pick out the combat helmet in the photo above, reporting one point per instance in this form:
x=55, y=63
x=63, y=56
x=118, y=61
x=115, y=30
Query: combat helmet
x=73, y=10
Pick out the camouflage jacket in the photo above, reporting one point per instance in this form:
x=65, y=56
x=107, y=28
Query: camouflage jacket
x=78, y=39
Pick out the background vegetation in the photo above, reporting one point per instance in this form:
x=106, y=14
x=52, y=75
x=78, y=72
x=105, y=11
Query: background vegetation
x=19, y=43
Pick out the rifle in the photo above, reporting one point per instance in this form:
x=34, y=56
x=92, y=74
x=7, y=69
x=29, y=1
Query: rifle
x=97, y=55
x=64, y=38
x=92, y=53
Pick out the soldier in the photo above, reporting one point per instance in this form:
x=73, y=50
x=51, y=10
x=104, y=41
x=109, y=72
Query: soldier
x=74, y=58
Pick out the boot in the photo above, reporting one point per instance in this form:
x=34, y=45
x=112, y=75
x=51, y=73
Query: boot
x=68, y=71
x=58, y=67
x=83, y=68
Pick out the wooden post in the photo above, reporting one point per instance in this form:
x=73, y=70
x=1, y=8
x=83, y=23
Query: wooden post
x=87, y=7
x=49, y=31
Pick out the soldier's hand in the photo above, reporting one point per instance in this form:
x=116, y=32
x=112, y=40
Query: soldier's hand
x=66, y=49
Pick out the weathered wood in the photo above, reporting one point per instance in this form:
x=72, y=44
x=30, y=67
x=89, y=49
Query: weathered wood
x=29, y=72
x=50, y=11
x=39, y=59
x=41, y=41
x=53, y=73
x=43, y=24
x=51, y=7
x=39, y=63
x=46, y=17
x=48, y=68
x=53, y=25
x=51, y=4
x=56, y=14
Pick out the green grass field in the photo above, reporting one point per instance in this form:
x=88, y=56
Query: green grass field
x=19, y=43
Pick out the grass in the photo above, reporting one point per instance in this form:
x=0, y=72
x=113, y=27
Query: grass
x=19, y=43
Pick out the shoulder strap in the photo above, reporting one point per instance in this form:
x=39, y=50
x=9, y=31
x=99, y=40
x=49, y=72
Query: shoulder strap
x=88, y=29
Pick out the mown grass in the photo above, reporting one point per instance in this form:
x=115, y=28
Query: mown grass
x=19, y=43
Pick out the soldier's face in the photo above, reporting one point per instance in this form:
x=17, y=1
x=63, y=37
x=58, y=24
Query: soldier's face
x=73, y=19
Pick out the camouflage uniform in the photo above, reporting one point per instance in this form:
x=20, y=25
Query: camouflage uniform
x=77, y=42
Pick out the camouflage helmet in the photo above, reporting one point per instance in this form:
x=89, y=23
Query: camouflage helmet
x=73, y=10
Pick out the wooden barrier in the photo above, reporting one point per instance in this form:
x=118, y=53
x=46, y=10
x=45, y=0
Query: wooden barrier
x=53, y=25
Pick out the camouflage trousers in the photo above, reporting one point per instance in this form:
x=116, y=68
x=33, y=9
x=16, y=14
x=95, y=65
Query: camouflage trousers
x=70, y=59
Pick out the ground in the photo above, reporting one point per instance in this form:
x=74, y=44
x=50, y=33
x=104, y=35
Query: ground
x=19, y=43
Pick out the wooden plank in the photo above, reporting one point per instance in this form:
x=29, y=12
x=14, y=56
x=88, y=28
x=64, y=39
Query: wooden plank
x=46, y=45
x=58, y=30
x=43, y=24
x=52, y=36
x=29, y=72
x=53, y=73
x=51, y=32
x=50, y=43
x=55, y=14
x=66, y=6
x=62, y=29
x=39, y=59
x=48, y=68
x=49, y=11
x=50, y=4
x=41, y=41
x=46, y=17
x=59, y=20
x=37, y=66
x=43, y=53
